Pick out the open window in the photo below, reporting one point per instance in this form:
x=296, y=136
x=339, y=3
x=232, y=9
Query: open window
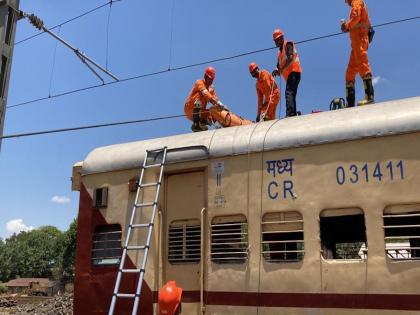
x=229, y=239
x=184, y=242
x=282, y=237
x=343, y=234
x=106, y=249
x=100, y=197
x=402, y=232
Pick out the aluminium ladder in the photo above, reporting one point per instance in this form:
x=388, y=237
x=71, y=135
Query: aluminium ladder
x=155, y=154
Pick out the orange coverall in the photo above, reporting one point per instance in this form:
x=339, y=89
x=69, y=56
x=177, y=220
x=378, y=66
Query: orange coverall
x=358, y=25
x=202, y=93
x=268, y=95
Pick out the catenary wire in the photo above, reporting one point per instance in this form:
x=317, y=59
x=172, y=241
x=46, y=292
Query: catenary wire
x=67, y=21
x=194, y=65
x=118, y=123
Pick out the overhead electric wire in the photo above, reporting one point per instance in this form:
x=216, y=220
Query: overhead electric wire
x=36, y=133
x=135, y=77
x=67, y=21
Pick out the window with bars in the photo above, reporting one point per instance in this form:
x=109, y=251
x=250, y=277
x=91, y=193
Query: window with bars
x=106, y=249
x=229, y=239
x=282, y=237
x=184, y=242
x=343, y=234
x=402, y=233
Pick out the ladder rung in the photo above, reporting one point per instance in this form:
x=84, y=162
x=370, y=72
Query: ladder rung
x=141, y=225
x=157, y=150
x=131, y=270
x=137, y=247
x=145, y=204
x=149, y=184
x=153, y=165
x=126, y=295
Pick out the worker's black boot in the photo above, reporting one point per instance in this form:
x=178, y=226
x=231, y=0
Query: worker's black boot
x=369, y=92
x=350, y=95
x=196, y=119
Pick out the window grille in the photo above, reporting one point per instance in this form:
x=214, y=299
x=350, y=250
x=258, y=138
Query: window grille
x=100, y=197
x=184, y=242
x=402, y=235
x=106, y=249
x=282, y=237
x=343, y=234
x=229, y=239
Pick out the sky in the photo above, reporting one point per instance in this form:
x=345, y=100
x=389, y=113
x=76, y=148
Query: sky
x=148, y=36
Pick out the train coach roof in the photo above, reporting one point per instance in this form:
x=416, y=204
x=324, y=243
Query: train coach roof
x=388, y=118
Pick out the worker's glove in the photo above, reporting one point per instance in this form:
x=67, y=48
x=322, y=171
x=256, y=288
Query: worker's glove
x=343, y=26
x=275, y=72
x=258, y=118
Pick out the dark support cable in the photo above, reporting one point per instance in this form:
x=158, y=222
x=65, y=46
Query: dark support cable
x=195, y=64
x=53, y=63
x=172, y=33
x=107, y=34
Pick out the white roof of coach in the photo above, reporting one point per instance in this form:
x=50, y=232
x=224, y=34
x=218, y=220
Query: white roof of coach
x=388, y=118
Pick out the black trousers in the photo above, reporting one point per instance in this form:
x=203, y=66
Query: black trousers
x=291, y=90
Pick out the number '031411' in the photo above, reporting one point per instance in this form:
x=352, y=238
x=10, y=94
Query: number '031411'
x=377, y=172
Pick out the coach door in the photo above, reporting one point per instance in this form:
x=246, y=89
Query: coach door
x=184, y=203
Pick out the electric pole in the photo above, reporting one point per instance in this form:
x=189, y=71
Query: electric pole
x=8, y=18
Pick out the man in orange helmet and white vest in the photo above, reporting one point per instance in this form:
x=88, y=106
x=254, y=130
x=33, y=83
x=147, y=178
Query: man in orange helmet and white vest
x=267, y=91
x=170, y=299
x=201, y=93
x=288, y=65
x=358, y=26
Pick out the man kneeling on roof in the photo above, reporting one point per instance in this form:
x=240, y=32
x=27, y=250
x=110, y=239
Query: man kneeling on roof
x=202, y=93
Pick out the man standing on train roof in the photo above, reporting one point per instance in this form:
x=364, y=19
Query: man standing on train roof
x=169, y=299
x=288, y=65
x=358, y=26
x=267, y=91
x=201, y=93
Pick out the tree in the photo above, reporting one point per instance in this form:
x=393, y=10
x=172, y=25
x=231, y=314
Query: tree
x=30, y=254
x=65, y=268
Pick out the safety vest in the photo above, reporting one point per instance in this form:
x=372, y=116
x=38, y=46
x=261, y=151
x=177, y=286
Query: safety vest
x=294, y=66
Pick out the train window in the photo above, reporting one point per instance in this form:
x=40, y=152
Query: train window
x=106, y=249
x=184, y=242
x=402, y=232
x=282, y=237
x=343, y=234
x=229, y=239
x=100, y=197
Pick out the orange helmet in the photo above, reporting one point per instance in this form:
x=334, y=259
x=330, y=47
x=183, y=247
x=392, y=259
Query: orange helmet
x=210, y=72
x=252, y=67
x=277, y=34
x=169, y=298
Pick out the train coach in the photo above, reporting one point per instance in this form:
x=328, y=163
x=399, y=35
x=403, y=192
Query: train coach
x=316, y=214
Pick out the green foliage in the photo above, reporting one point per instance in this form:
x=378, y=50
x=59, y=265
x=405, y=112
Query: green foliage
x=65, y=270
x=43, y=252
x=3, y=288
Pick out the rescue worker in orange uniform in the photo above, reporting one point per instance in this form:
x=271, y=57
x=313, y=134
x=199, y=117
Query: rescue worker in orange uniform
x=169, y=299
x=202, y=93
x=288, y=65
x=267, y=91
x=358, y=26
